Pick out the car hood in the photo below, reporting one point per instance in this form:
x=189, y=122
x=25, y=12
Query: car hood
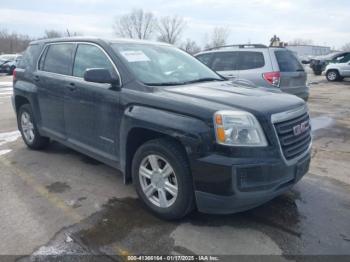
x=226, y=95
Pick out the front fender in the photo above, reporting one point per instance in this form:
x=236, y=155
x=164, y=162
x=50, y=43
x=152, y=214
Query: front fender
x=194, y=134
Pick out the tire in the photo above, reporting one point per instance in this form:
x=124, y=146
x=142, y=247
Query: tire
x=162, y=152
x=29, y=130
x=332, y=75
x=317, y=73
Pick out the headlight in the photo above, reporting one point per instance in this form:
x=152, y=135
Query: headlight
x=238, y=128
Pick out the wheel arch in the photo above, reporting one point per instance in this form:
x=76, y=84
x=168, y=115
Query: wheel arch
x=141, y=124
x=20, y=100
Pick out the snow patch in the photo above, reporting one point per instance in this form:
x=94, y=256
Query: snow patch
x=5, y=151
x=8, y=137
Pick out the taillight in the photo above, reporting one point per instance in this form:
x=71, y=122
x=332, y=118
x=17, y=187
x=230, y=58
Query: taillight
x=14, y=75
x=273, y=78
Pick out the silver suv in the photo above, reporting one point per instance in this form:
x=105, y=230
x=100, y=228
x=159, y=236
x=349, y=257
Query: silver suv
x=259, y=65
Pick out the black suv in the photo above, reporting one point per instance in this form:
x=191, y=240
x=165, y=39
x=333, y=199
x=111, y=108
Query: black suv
x=185, y=137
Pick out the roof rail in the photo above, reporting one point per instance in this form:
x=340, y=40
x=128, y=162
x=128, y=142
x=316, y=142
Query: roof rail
x=239, y=46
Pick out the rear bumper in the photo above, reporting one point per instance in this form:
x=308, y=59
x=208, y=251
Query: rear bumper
x=247, y=185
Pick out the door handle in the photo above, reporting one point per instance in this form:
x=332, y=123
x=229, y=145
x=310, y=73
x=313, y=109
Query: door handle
x=72, y=87
x=36, y=78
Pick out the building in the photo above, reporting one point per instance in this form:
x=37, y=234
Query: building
x=309, y=50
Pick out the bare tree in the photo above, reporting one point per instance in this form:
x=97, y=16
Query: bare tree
x=137, y=24
x=190, y=47
x=300, y=41
x=346, y=47
x=170, y=29
x=52, y=33
x=13, y=42
x=218, y=37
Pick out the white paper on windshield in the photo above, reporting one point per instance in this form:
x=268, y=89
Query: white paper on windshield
x=135, y=56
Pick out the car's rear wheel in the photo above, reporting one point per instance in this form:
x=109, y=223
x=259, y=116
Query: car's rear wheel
x=28, y=128
x=162, y=178
x=332, y=75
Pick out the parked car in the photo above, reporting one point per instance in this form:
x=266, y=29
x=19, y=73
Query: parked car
x=270, y=67
x=318, y=64
x=184, y=136
x=339, y=68
x=8, y=63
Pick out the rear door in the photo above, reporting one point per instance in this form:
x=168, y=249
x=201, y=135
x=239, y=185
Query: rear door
x=293, y=75
x=91, y=109
x=55, y=67
x=251, y=67
x=225, y=63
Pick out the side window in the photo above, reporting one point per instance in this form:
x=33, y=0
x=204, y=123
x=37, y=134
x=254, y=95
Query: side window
x=90, y=56
x=225, y=61
x=344, y=59
x=250, y=60
x=287, y=62
x=58, y=59
x=205, y=58
x=29, y=58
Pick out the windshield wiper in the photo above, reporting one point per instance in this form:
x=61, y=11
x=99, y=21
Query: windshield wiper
x=185, y=82
x=165, y=84
x=204, y=79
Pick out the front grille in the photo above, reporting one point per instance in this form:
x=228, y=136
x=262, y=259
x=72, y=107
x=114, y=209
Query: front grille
x=294, y=143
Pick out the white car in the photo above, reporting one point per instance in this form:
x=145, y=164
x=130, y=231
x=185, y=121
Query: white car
x=338, y=70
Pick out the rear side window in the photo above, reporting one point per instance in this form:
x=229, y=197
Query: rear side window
x=287, y=62
x=58, y=59
x=343, y=59
x=29, y=58
x=250, y=60
x=90, y=56
x=225, y=61
x=205, y=58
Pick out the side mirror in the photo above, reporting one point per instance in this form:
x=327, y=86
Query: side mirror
x=102, y=76
x=305, y=62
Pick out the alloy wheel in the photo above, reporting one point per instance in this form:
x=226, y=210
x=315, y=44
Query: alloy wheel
x=27, y=127
x=158, y=181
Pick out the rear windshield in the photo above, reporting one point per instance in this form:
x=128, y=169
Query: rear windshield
x=287, y=62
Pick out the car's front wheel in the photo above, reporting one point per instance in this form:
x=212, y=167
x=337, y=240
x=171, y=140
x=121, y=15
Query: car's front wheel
x=28, y=128
x=162, y=178
x=332, y=75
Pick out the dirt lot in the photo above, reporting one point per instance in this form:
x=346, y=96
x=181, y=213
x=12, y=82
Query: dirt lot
x=58, y=201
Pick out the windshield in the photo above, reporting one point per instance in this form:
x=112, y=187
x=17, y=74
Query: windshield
x=163, y=65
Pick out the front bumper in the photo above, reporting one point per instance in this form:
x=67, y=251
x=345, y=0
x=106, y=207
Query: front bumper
x=241, y=184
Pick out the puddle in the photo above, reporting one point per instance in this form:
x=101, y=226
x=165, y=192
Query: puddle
x=321, y=122
x=8, y=137
x=58, y=187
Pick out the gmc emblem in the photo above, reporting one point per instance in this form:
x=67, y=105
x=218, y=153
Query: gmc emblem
x=301, y=128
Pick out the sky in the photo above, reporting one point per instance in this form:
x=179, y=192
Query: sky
x=326, y=22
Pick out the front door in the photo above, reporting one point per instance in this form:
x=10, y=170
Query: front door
x=92, y=110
